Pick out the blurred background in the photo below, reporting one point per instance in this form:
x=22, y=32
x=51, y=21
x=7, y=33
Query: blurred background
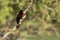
x=42, y=20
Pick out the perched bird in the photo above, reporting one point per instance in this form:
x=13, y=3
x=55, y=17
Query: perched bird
x=19, y=17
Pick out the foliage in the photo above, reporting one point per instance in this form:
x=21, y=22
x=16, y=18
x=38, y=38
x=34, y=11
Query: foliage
x=43, y=13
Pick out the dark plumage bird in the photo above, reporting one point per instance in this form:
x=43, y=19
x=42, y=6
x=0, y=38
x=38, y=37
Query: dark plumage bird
x=19, y=17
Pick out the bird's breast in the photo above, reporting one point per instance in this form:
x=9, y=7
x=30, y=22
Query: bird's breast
x=21, y=14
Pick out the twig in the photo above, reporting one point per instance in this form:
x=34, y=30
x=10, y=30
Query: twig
x=49, y=8
x=6, y=35
x=28, y=7
x=57, y=33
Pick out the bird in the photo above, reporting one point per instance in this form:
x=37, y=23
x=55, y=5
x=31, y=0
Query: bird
x=19, y=17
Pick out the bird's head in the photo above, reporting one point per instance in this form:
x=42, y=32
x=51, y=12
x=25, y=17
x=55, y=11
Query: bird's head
x=21, y=11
